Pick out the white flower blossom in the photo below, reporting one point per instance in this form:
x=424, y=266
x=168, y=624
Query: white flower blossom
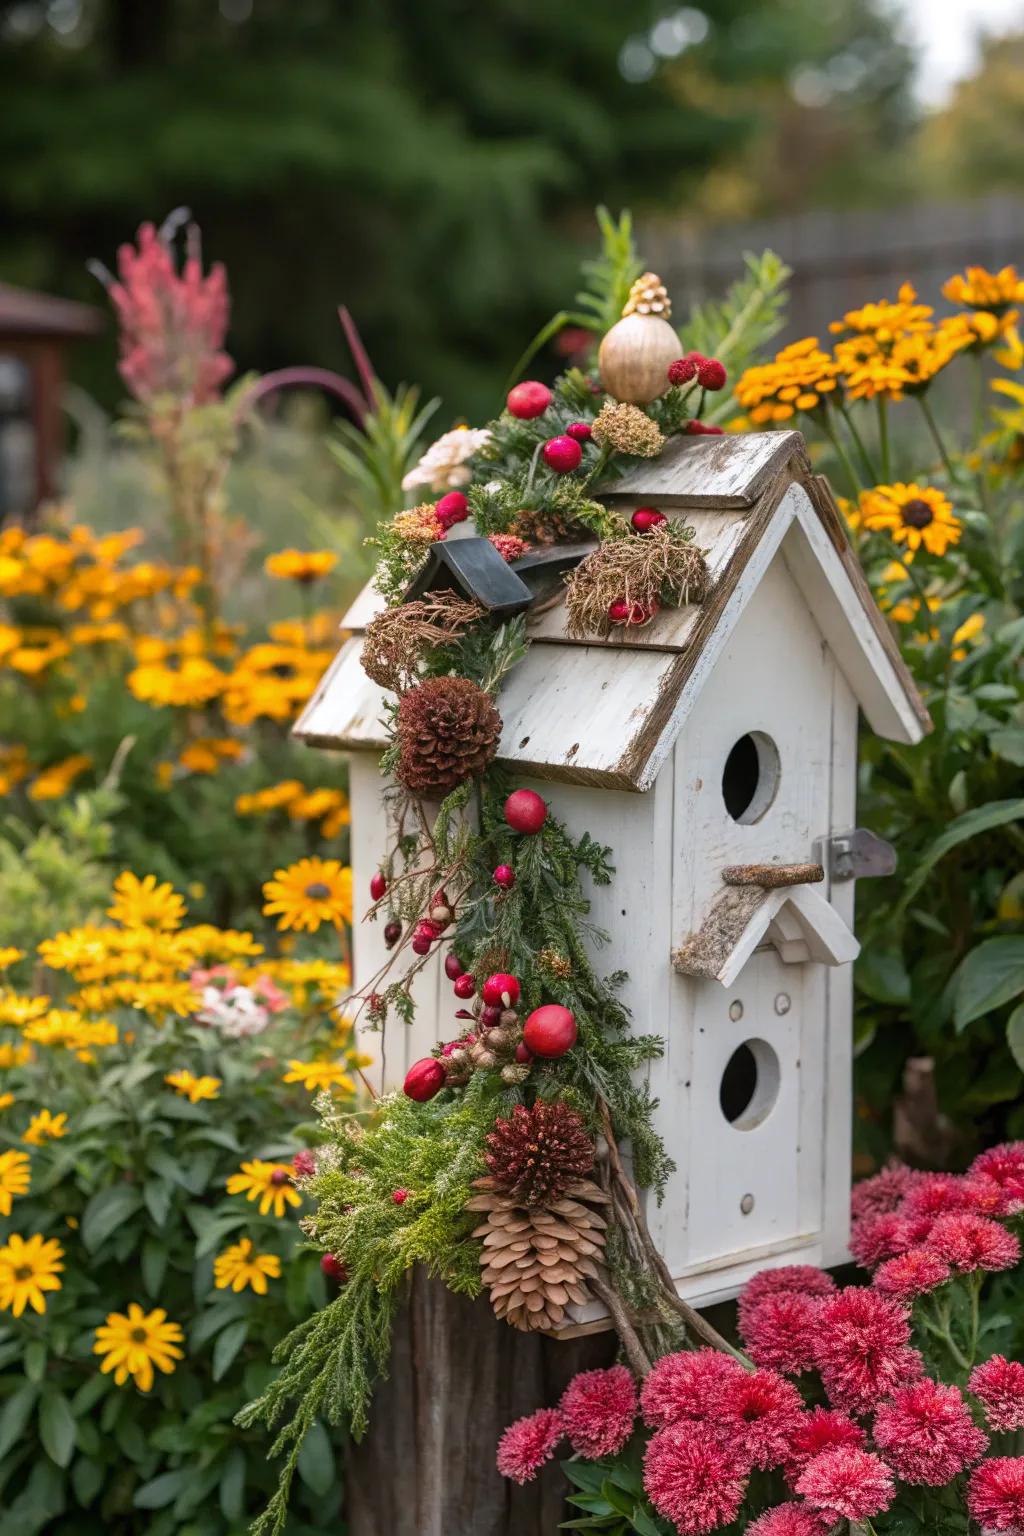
x=443, y=466
x=237, y=1013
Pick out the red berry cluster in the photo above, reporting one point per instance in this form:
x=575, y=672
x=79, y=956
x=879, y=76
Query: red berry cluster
x=708, y=371
x=430, y=928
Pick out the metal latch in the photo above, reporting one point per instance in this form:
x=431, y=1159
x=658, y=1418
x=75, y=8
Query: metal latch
x=857, y=855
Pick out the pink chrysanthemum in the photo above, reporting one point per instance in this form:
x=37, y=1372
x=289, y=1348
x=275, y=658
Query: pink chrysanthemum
x=883, y=1192
x=998, y=1384
x=528, y=1443
x=781, y=1331
x=911, y=1274
x=787, y=1520
x=758, y=1412
x=927, y=1433
x=995, y=1494
x=847, y=1484
x=864, y=1348
x=692, y=1478
x=598, y=1409
x=805, y=1279
x=970, y=1242
x=820, y=1429
x=880, y=1237
x=988, y=1197
x=1004, y=1163
x=935, y=1194
x=686, y=1385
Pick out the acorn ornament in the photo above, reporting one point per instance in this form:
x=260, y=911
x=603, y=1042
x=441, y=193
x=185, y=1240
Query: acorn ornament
x=635, y=354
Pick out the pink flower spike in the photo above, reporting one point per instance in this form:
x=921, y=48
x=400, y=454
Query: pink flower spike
x=598, y=1409
x=864, y=1348
x=970, y=1242
x=995, y=1494
x=847, y=1484
x=998, y=1384
x=686, y=1385
x=927, y=1433
x=817, y=1430
x=528, y=1443
x=692, y=1478
x=781, y=1332
x=787, y=1520
x=911, y=1274
x=758, y=1413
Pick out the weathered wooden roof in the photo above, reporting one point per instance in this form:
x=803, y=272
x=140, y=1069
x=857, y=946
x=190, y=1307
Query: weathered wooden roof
x=24, y=313
x=608, y=711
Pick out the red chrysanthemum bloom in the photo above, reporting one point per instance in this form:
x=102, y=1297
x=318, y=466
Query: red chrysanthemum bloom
x=880, y=1237
x=598, y=1409
x=970, y=1242
x=528, y=1443
x=927, y=1433
x=864, y=1348
x=1005, y=1164
x=758, y=1412
x=820, y=1429
x=847, y=1484
x=683, y=369
x=988, y=1197
x=911, y=1274
x=802, y=1278
x=995, y=1494
x=686, y=1385
x=881, y=1193
x=692, y=1478
x=781, y=1331
x=998, y=1384
x=787, y=1520
x=935, y=1194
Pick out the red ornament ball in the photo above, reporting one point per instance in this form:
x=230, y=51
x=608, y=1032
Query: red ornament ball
x=423, y=1079
x=711, y=373
x=424, y=934
x=505, y=876
x=523, y=1055
x=683, y=370
x=465, y=986
x=580, y=431
x=562, y=454
x=451, y=509
x=525, y=811
x=453, y=966
x=399, y=1196
x=528, y=399
x=646, y=518
x=621, y=612
x=550, y=1031
x=392, y=934
x=378, y=885
x=501, y=988
x=333, y=1268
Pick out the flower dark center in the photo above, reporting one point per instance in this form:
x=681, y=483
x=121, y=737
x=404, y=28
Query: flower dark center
x=138, y=1335
x=24, y=1272
x=917, y=513
x=279, y=1176
x=318, y=891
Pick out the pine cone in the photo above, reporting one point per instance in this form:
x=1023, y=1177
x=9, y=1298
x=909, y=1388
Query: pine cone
x=536, y=1153
x=535, y=1259
x=547, y=526
x=648, y=296
x=448, y=731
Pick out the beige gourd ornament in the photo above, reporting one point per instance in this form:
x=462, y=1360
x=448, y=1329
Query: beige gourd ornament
x=636, y=352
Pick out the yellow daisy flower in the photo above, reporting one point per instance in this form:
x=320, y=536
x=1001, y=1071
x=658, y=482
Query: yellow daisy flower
x=269, y=1183
x=55, y=781
x=133, y=1343
x=27, y=1269
x=309, y=893
x=240, y=1265
x=20, y=1011
x=194, y=1088
x=14, y=1055
x=6, y=1100
x=9, y=957
x=145, y=903
x=45, y=1127
x=15, y=1174
x=315, y=1075
x=913, y=515
x=270, y=799
x=299, y=565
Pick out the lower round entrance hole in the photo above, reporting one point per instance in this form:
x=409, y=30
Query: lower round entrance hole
x=750, y=1085
x=750, y=777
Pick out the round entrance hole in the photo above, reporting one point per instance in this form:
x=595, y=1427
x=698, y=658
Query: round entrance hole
x=750, y=1085
x=750, y=777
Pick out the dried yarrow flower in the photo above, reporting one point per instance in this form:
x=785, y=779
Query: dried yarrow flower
x=418, y=526
x=927, y=1433
x=686, y=1385
x=555, y=963
x=847, y=1484
x=598, y=1409
x=998, y=1384
x=628, y=429
x=995, y=1494
x=692, y=1478
x=528, y=1443
x=508, y=545
x=536, y=1153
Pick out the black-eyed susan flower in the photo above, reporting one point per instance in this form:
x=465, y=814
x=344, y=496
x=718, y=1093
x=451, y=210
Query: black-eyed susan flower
x=28, y=1269
x=145, y=903
x=45, y=1127
x=317, y=1075
x=55, y=781
x=801, y=378
x=240, y=1266
x=977, y=288
x=185, y=682
x=269, y=1183
x=269, y=799
x=15, y=1175
x=9, y=957
x=309, y=893
x=913, y=515
x=300, y=565
x=195, y=1089
x=133, y=1343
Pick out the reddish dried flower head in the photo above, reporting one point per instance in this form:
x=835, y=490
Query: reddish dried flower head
x=683, y=370
x=304, y=1164
x=758, y=1412
x=692, y=1478
x=995, y=1494
x=881, y=1193
x=880, y=1237
x=847, y=1484
x=598, y=1409
x=820, y=1429
x=781, y=1331
x=864, y=1348
x=686, y=1385
x=803, y=1278
x=528, y=1443
x=1005, y=1164
x=787, y=1520
x=998, y=1384
x=970, y=1242
x=711, y=373
x=911, y=1274
x=536, y=1153
x=927, y=1433
x=509, y=546
x=935, y=1194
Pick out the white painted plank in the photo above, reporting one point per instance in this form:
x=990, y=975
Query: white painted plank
x=365, y=606
x=730, y=470
x=837, y=1126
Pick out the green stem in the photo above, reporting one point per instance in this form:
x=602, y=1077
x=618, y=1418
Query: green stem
x=882, y=407
x=865, y=457
x=933, y=427
x=543, y=336
x=841, y=455
x=975, y=1284
x=942, y=1332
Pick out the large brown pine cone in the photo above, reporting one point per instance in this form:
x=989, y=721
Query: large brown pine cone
x=448, y=731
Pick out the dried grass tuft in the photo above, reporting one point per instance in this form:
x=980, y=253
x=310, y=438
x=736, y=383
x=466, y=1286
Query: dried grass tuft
x=397, y=640
x=657, y=567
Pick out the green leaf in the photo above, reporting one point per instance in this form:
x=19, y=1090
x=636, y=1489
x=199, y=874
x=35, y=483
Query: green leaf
x=211, y=1321
x=57, y=1428
x=153, y=1264
x=16, y=1414
x=983, y=818
x=989, y=976
x=34, y=1360
x=316, y=1460
x=1008, y=744
x=106, y=1211
x=158, y=1200
x=1015, y=1035
x=232, y=1486
x=163, y=1490
x=227, y=1346
x=881, y=975
x=643, y=1524
x=86, y=1479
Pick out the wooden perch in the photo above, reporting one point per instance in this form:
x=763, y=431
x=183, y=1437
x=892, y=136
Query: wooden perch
x=770, y=876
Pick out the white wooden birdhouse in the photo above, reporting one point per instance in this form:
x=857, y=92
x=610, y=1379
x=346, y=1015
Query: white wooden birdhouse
x=715, y=751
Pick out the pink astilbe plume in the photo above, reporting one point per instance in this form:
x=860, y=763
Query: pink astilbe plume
x=598, y=1409
x=927, y=1434
x=995, y=1494
x=820, y=1429
x=528, y=1443
x=864, y=1348
x=787, y=1520
x=998, y=1384
x=970, y=1242
x=757, y=1414
x=172, y=325
x=881, y=1237
x=911, y=1274
x=781, y=1331
x=1005, y=1164
x=882, y=1193
x=805, y=1279
x=847, y=1484
x=692, y=1478
x=686, y=1385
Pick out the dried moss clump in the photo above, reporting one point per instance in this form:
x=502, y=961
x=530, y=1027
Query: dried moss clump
x=659, y=567
x=397, y=639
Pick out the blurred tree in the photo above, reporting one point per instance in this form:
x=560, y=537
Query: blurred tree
x=976, y=143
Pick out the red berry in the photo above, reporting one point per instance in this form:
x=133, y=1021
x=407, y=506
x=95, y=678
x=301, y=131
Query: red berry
x=304, y=1164
x=334, y=1269
x=490, y=1014
x=711, y=373
x=701, y=429
x=423, y=1079
x=528, y=399
x=465, y=986
x=550, y=1031
x=399, y=1196
x=646, y=518
x=420, y=944
x=682, y=370
x=523, y=1054
x=451, y=509
x=621, y=612
x=582, y=431
x=562, y=454
x=392, y=934
x=505, y=876
x=378, y=885
x=453, y=966
x=525, y=811
x=500, y=988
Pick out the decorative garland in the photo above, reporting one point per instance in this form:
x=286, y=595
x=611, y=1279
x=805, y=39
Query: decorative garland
x=498, y=1167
